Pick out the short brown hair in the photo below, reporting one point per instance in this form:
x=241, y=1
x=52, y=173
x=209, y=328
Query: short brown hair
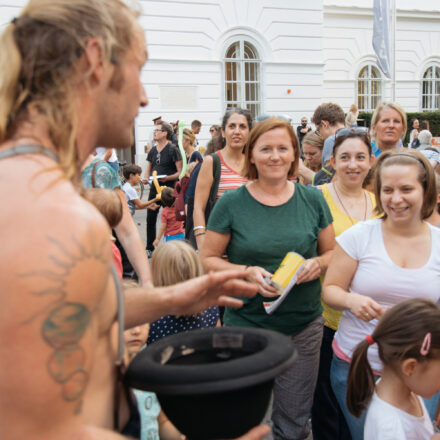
x=425, y=175
x=249, y=169
x=330, y=112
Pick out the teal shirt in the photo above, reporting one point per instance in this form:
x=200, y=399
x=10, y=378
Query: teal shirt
x=105, y=176
x=262, y=235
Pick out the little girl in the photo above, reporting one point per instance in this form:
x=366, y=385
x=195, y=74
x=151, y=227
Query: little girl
x=173, y=262
x=408, y=339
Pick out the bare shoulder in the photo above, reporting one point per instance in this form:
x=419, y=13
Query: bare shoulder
x=54, y=272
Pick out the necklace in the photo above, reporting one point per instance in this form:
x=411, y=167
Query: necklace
x=345, y=209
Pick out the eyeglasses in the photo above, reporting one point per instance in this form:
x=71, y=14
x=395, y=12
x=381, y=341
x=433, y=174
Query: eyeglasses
x=158, y=129
x=346, y=131
x=157, y=158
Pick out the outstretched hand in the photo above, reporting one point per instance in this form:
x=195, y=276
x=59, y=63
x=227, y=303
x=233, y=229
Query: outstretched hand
x=217, y=288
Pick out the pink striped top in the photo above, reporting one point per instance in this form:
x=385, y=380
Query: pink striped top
x=229, y=179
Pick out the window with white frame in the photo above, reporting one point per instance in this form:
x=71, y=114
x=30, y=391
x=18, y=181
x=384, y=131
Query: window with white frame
x=242, y=77
x=431, y=89
x=369, y=88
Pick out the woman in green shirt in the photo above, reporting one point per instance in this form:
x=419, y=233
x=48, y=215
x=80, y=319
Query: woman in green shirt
x=256, y=225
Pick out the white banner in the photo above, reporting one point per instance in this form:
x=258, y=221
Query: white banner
x=381, y=35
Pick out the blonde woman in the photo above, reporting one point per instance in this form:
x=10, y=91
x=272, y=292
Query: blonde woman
x=173, y=262
x=188, y=141
x=388, y=126
x=352, y=116
x=312, y=146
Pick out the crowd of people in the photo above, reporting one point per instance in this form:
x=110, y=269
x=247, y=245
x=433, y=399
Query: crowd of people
x=360, y=208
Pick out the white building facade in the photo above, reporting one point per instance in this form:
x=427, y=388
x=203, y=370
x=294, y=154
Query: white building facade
x=276, y=57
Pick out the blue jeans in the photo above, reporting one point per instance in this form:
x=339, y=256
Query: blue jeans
x=338, y=378
x=328, y=421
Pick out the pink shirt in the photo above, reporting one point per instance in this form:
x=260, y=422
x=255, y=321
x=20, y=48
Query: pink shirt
x=229, y=179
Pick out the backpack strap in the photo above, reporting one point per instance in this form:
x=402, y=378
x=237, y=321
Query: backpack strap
x=216, y=173
x=21, y=150
x=94, y=171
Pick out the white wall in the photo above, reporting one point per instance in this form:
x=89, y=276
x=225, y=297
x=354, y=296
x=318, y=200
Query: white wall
x=348, y=44
x=186, y=41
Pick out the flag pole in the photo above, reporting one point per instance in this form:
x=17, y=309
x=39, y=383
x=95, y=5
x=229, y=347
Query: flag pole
x=393, y=49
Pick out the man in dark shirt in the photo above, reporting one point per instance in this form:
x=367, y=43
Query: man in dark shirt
x=302, y=130
x=166, y=160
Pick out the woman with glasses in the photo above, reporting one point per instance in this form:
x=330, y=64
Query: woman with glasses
x=236, y=126
x=381, y=262
x=349, y=203
x=256, y=225
x=388, y=126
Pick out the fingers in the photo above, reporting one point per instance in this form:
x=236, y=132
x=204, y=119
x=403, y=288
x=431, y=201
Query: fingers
x=311, y=271
x=227, y=301
x=256, y=433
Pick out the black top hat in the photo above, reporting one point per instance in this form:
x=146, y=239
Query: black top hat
x=216, y=382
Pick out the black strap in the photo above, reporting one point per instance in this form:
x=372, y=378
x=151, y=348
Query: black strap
x=216, y=172
x=21, y=150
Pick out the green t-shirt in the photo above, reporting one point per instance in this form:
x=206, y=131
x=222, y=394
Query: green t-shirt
x=262, y=235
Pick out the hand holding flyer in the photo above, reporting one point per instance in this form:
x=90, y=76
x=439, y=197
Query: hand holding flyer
x=284, y=279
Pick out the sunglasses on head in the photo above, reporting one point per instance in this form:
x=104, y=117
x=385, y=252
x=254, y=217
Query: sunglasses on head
x=346, y=131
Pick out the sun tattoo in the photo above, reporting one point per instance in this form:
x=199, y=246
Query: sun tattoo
x=66, y=321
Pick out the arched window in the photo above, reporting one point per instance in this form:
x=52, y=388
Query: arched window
x=369, y=88
x=431, y=89
x=242, y=77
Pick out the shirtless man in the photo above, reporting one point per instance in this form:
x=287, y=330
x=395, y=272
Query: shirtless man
x=70, y=81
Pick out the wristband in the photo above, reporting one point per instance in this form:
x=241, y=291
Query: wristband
x=198, y=227
x=200, y=233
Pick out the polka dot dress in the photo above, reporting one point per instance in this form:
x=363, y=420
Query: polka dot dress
x=170, y=324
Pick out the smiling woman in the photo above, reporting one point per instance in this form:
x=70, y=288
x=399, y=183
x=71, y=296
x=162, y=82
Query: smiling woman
x=388, y=125
x=236, y=126
x=257, y=225
x=349, y=203
x=381, y=262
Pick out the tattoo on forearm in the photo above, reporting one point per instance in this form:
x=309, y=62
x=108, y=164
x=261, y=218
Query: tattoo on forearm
x=65, y=322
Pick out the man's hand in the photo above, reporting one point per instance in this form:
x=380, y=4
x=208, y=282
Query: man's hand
x=198, y=294
x=187, y=298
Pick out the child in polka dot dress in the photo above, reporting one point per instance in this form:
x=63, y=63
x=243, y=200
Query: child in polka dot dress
x=174, y=262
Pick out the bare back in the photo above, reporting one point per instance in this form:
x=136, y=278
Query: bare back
x=58, y=305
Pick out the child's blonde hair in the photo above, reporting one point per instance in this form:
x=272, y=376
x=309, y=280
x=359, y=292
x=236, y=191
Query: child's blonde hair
x=173, y=262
